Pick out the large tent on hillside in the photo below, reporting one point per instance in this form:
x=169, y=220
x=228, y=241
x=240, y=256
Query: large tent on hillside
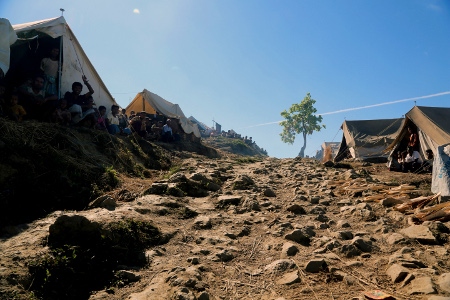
x=432, y=125
x=433, y=129
x=367, y=139
x=36, y=39
x=153, y=104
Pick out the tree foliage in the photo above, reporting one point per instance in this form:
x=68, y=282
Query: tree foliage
x=300, y=119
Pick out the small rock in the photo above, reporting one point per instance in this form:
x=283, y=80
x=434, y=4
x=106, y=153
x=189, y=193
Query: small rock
x=444, y=282
x=289, y=278
x=397, y=273
x=289, y=249
x=422, y=285
x=316, y=265
x=202, y=222
x=420, y=233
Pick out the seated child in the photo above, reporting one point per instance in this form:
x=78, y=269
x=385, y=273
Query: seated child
x=101, y=119
x=17, y=112
x=396, y=162
x=62, y=115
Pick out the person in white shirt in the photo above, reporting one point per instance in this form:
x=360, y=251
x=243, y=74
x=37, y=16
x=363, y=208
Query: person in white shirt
x=112, y=120
x=413, y=160
x=167, y=134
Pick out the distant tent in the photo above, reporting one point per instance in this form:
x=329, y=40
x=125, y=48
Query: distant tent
x=152, y=104
x=367, y=139
x=432, y=125
x=200, y=125
x=35, y=41
x=328, y=150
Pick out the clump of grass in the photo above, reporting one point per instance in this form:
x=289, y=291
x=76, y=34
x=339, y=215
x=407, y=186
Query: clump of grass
x=172, y=170
x=112, y=177
x=74, y=268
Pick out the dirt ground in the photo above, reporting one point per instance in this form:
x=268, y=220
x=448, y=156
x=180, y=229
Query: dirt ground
x=267, y=228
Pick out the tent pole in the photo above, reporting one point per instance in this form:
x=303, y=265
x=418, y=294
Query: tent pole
x=60, y=66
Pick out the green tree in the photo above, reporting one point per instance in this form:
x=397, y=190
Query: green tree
x=300, y=119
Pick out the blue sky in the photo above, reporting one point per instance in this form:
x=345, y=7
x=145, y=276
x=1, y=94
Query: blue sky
x=240, y=63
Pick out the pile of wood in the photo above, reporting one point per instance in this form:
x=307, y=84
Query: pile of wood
x=423, y=208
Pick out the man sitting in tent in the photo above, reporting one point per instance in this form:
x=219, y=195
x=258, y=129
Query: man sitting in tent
x=413, y=160
x=427, y=166
x=37, y=103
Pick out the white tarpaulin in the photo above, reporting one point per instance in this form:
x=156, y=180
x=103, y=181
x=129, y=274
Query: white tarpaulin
x=7, y=38
x=75, y=61
x=440, y=182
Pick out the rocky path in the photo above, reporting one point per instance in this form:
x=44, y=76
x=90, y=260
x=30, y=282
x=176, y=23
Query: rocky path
x=271, y=229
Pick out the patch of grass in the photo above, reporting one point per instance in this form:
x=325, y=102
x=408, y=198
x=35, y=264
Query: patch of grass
x=111, y=177
x=73, y=271
x=172, y=170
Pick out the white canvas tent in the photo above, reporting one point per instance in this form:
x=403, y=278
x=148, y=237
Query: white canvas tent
x=37, y=35
x=152, y=103
x=7, y=37
x=367, y=139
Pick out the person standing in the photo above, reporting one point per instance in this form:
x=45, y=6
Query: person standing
x=413, y=139
x=50, y=67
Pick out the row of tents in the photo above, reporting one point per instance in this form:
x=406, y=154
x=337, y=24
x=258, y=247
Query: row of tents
x=374, y=140
x=28, y=43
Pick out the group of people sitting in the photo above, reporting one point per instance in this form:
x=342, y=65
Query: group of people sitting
x=410, y=159
x=34, y=100
x=153, y=129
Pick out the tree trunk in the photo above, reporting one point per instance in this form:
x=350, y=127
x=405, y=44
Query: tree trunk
x=302, y=150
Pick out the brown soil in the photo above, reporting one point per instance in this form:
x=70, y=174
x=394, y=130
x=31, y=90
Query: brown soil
x=225, y=251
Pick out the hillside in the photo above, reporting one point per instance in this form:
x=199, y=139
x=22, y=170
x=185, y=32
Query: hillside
x=90, y=216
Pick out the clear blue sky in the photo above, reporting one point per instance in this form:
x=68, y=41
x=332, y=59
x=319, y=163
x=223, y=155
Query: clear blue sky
x=241, y=63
